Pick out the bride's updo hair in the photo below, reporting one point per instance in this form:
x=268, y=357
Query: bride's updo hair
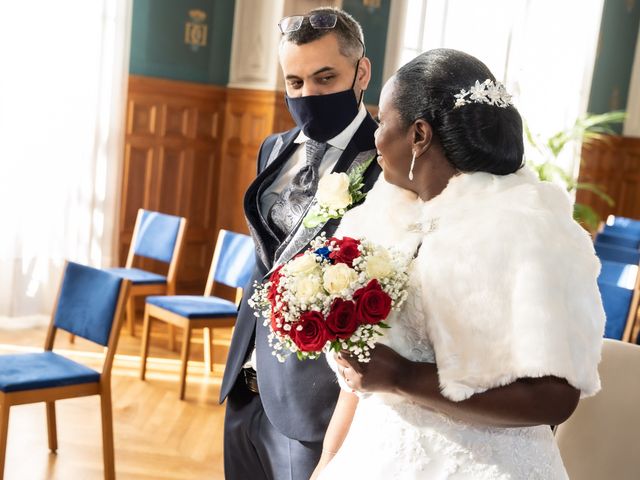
x=476, y=137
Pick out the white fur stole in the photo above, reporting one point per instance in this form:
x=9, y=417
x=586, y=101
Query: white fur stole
x=509, y=285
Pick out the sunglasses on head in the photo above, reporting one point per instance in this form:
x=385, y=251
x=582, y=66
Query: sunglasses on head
x=319, y=21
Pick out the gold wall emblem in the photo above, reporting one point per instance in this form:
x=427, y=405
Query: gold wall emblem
x=195, y=30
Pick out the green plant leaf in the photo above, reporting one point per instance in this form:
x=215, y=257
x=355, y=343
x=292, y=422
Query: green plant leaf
x=586, y=215
x=588, y=129
x=312, y=220
x=597, y=190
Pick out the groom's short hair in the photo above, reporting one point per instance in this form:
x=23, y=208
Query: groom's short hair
x=347, y=30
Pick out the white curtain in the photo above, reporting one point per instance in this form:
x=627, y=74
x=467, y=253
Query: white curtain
x=632, y=122
x=64, y=66
x=542, y=50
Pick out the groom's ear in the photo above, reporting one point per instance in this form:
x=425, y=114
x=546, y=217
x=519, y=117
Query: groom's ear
x=422, y=137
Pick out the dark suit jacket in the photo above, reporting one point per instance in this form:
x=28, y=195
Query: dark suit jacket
x=298, y=396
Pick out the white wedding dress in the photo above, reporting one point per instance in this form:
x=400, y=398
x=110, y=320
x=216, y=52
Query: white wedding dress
x=393, y=438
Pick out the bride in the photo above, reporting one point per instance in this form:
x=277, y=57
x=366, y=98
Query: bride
x=502, y=331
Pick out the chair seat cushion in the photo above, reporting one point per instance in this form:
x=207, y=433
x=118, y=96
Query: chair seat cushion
x=29, y=371
x=193, y=306
x=137, y=276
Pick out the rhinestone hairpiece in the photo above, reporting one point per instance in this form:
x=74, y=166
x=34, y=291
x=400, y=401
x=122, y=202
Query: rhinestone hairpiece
x=486, y=92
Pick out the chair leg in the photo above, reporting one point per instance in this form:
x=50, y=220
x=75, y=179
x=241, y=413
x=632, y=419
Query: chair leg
x=107, y=435
x=144, y=350
x=206, y=339
x=4, y=430
x=171, y=338
x=51, y=426
x=131, y=316
x=635, y=330
x=186, y=345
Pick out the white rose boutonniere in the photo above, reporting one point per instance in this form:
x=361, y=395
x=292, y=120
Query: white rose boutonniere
x=337, y=192
x=333, y=191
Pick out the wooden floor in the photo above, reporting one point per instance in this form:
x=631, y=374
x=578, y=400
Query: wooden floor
x=157, y=436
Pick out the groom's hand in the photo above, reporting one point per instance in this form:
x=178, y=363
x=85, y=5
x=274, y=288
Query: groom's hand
x=380, y=374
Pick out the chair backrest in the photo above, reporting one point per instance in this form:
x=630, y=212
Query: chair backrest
x=619, y=239
x=617, y=304
x=233, y=260
x=601, y=439
x=89, y=302
x=618, y=230
x=156, y=235
x=615, y=253
x=620, y=274
x=628, y=224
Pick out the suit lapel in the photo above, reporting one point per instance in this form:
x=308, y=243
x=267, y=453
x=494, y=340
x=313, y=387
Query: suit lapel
x=265, y=239
x=360, y=149
x=361, y=141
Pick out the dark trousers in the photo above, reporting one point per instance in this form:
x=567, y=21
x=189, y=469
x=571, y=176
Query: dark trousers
x=255, y=450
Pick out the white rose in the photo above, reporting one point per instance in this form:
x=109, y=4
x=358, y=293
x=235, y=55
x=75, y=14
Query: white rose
x=333, y=191
x=338, y=277
x=379, y=264
x=306, y=288
x=304, y=264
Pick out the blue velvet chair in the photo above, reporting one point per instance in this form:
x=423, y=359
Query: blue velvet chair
x=619, y=274
x=621, y=303
x=614, y=253
x=623, y=223
x=617, y=302
x=619, y=239
x=232, y=265
x=157, y=236
x=90, y=304
x=618, y=230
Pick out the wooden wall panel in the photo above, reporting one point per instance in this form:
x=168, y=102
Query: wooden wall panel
x=614, y=165
x=172, y=155
x=282, y=121
x=249, y=118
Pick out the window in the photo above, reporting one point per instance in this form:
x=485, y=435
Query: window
x=542, y=51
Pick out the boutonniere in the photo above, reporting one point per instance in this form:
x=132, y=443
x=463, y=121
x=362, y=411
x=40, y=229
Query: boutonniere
x=337, y=193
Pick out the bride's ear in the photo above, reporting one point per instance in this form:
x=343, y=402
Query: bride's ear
x=422, y=137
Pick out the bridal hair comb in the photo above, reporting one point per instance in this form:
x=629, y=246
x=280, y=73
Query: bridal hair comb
x=486, y=92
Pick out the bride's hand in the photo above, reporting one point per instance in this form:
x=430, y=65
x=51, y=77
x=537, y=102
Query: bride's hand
x=380, y=374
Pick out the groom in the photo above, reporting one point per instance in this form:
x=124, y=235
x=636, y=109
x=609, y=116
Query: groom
x=277, y=413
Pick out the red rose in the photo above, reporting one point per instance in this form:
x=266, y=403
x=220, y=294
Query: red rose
x=341, y=320
x=275, y=281
x=372, y=303
x=347, y=250
x=313, y=335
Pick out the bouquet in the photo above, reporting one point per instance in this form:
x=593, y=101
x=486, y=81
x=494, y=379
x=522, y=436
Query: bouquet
x=334, y=296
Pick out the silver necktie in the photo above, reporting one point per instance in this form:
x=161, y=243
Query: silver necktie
x=296, y=197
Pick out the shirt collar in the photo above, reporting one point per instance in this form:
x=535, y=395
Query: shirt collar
x=341, y=140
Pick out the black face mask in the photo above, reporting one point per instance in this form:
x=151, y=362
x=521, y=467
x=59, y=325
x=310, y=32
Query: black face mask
x=322, y=117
